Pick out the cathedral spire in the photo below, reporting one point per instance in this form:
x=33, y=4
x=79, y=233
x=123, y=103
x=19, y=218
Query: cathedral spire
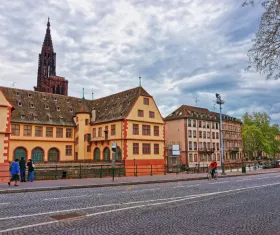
x=48, y=37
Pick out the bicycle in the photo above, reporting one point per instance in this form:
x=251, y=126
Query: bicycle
x=209, y=175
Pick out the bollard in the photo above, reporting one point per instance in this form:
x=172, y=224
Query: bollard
x=55, y=172
x=80, y=174
x=100, y=171
x=113, y=172
x=136, y=171
x=151, y=170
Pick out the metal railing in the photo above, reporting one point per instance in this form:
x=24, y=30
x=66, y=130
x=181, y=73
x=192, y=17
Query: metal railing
x=80, y=171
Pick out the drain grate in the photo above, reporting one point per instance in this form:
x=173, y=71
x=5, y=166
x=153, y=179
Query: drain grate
x=65, y=216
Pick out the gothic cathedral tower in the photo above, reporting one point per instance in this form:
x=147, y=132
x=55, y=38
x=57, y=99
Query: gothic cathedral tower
x=47, y=81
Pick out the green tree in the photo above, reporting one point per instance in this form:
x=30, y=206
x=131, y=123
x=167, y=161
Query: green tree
x=259, y=135
x=253, y=141
x=264, y=55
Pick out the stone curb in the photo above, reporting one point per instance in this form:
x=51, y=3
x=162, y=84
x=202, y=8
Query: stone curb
x=121, y=183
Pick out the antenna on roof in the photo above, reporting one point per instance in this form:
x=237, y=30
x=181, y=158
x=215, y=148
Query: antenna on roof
x=92, y=95
x=196, y=101
x=140, y=81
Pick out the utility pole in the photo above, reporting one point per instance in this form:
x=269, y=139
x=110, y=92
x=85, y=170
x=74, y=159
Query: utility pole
x=219, y=101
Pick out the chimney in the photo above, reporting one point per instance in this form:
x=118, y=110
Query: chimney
x=93, y=115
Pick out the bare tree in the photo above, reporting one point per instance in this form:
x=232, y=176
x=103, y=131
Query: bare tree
x=264, y=55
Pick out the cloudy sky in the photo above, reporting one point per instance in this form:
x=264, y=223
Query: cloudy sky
x=182, y=49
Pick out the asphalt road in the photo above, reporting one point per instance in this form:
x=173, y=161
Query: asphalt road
x=240, y=205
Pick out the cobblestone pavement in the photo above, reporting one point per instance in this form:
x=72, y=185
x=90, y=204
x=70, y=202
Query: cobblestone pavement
x=240, y=205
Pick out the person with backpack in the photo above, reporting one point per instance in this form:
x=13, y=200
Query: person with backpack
x=30, y=166
x=15, y=170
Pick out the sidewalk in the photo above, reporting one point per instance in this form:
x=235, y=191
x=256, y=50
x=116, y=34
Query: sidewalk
x=48, y=185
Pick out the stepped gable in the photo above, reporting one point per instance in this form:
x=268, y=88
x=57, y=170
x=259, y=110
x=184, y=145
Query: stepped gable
x=186, y=111
x=52, y=109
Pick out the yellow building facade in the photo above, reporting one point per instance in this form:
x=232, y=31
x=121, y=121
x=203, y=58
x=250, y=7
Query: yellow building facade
x=51, y=128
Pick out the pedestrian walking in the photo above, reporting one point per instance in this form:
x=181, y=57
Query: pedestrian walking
x=22, y=166
x=30, y=166
x=15, y=170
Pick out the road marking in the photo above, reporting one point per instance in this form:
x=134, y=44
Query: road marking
x=243, y=180
x=262, y=178
x=221, y=182
x=143, y=190
x=57, y=198
x=186, y=186
x=139, y=206
x=84, y=208
x=4, y=203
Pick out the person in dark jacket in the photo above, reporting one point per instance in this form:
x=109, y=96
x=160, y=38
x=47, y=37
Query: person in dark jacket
x=14, y=169
x=22, y=166
x=30, y=166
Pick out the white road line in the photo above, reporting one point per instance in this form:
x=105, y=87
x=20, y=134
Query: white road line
x=143, y=190
x=261, y=178
x=84, y=208
x=147, y=205
x=221, y=182
x=186, y=186
x=4, y=203
x=243, y=180
x=57, y=198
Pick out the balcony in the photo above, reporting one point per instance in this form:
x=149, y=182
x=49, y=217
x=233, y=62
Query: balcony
x=234, y=149
x=100, y=139
x=206, y=150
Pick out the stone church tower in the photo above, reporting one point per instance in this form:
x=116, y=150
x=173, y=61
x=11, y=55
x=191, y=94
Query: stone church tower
x=47, y=81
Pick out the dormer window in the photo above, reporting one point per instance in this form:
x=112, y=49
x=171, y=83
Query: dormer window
x=32, y=106
x=22, y=116
x=19, y=104
x=57, y=108
x=29, y=95
x=46, y=107
x=35, y=117
x=17, y=94
x=71, y=110
x=50, y=118
x=44, y=97
x=67, y=100
x=54, y=99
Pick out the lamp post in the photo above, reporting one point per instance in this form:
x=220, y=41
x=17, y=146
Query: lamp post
x=219, y=101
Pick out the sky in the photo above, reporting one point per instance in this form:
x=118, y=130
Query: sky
x=184, y=50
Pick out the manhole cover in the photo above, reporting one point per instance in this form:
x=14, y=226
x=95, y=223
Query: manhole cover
x=65, y=216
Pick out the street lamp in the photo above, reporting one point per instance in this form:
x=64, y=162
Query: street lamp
x=219, y=101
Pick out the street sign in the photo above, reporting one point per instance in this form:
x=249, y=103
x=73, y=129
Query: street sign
x=175, y=150
x=114, y=147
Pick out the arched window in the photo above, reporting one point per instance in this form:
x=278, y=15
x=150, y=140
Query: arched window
x=19, y=153
x=96, y=154
x=53, y=155
x=107, y=154
x=118, y=155
x=218, y=157
x=37, y=155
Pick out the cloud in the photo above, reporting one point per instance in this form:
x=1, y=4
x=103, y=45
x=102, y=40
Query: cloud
x=182, y=49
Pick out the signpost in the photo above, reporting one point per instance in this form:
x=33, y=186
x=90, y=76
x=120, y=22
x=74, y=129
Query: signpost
x=114, y=149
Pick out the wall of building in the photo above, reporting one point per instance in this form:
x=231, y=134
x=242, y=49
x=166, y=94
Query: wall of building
x=232, y=137
x=44, y=142
x=152, y=121
x=5, y=118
